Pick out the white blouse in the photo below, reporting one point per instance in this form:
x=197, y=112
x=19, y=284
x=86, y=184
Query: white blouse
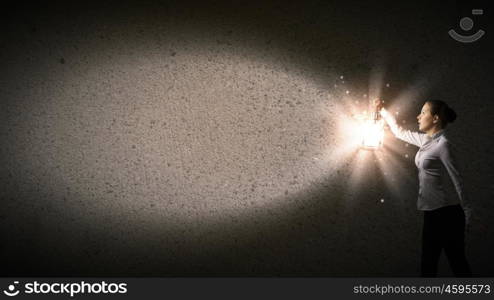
x=435, y=160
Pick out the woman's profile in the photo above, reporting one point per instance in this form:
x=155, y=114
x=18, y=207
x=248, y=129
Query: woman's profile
x=447, y=212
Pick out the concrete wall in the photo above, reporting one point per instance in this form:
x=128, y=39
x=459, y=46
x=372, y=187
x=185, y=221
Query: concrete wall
x=212, y=139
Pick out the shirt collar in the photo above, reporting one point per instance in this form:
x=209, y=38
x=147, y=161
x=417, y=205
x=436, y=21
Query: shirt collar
x=437, y=134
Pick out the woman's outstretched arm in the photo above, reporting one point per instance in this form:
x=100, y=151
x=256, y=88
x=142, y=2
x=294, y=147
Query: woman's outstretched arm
x=411, y=137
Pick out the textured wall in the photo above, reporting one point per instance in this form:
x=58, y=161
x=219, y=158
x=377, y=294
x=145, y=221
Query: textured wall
x=212, y=139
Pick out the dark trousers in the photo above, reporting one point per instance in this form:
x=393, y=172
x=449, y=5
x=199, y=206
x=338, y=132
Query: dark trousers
x=444, y=228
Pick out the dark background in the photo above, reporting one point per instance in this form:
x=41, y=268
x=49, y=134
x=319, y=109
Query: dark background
x=86, y=92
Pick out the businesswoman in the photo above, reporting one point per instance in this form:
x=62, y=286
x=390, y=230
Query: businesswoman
x=446, y=210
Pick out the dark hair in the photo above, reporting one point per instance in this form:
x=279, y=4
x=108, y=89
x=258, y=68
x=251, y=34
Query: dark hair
x=445, y=113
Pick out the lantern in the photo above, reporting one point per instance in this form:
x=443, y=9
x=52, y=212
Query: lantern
x=372, y=131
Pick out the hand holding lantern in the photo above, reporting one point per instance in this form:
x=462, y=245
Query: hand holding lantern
x=377, y=105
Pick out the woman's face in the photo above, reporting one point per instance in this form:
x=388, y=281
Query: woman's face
x=426, y=119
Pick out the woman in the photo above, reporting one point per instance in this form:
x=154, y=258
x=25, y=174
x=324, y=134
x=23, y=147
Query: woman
x=446, y=212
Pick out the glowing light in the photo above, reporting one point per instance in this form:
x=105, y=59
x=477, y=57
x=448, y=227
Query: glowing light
x=372, y=134
x=371, y=131
x=359, y=128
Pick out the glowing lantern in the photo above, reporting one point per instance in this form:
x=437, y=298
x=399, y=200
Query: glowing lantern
x=372, y=132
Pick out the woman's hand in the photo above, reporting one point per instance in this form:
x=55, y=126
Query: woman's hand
x=377, y=104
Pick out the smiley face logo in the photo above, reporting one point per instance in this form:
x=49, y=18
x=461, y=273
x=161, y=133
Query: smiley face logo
x=466, y=24
x=11, y=291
